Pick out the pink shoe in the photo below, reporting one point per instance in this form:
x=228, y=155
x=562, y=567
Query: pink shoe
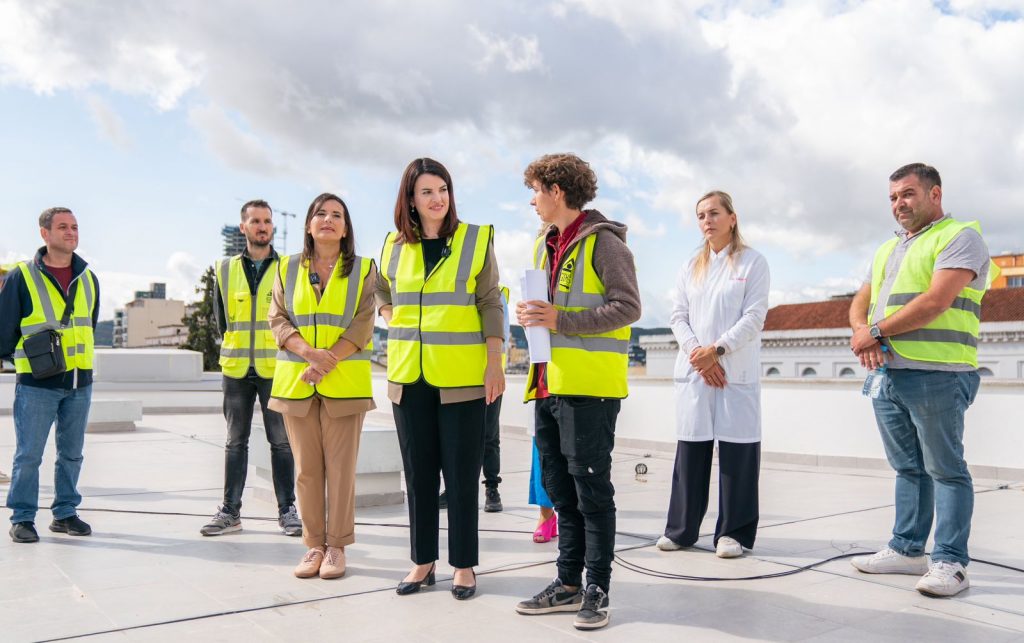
x=547, y=530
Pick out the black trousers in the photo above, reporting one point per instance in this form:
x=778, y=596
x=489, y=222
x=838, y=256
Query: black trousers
x=239, y=397
x=445, y=439
x=739, y=465
x=492, y=443
x=575, y=437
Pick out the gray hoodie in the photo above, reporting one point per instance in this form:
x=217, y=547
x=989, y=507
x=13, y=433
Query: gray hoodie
x=613, y=263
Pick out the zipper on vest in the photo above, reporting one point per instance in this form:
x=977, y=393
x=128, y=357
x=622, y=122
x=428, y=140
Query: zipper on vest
x=71, y=318
x=252, y=332
x=447, y=252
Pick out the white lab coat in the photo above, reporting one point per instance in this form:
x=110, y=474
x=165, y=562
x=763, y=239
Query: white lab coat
x=728, y=309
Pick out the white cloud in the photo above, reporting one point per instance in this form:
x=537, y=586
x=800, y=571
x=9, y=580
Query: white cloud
x=45, y=46
x=798, y=109
x=513, y=251
x=518, y=53
x=109, y=123
x=640, y=227
x=238, y=147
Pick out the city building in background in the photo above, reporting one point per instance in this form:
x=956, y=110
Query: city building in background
x=813, y=340
x=234, y=240
x=142, y=318
x=1011, y=271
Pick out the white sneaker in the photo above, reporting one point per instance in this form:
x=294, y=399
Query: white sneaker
x=888, y=561
x=728, y=548
x=667, y=544
x=944, y=578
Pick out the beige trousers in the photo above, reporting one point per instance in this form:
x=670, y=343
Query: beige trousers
x=325, y=450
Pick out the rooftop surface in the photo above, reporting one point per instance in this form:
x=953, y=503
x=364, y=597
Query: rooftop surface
x=146, y=574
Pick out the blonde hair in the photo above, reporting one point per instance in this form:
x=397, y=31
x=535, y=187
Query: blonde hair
x=700, y=264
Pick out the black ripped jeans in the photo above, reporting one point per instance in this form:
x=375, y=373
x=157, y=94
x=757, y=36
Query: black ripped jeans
x=575, y=437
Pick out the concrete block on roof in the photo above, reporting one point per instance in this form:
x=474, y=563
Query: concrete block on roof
x=378, y=467
x=113, y=415
x=147, y=365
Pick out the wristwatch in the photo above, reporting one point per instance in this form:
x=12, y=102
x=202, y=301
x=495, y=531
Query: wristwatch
x=720, y=350
x=875, y=331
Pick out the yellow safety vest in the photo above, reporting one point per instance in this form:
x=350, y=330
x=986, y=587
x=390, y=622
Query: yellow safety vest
x=950, y=338
x=47, y=311
x=591, y=365
x=436, y=331
x=321, y=324
x=247, y=340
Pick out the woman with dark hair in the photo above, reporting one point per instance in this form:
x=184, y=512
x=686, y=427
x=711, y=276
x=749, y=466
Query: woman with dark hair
x=720, y=303
x=322, y=319
x=438, y=292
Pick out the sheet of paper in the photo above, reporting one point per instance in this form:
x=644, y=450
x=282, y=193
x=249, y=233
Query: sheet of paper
x=534, y=286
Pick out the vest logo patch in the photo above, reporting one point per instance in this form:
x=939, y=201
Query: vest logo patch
x=565, y=276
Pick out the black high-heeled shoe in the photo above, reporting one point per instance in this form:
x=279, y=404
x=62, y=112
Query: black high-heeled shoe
x=411, y=587
x=465, y=592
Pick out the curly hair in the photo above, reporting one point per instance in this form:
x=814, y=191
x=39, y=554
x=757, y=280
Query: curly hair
x=569, y=172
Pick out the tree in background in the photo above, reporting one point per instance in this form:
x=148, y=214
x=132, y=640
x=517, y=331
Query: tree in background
x=202, y=323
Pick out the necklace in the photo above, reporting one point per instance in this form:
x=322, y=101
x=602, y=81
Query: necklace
x=330, y=266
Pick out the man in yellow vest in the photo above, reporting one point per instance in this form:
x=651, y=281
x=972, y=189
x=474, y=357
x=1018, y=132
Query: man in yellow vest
x=55, y=292
x=593, y=299
x=247, y=359
x=915, y=325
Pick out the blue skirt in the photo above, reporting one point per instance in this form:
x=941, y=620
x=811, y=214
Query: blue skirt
x=537, y=494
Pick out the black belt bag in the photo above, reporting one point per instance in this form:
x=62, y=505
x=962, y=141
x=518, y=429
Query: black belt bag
x=45, y=354
x=44, y=350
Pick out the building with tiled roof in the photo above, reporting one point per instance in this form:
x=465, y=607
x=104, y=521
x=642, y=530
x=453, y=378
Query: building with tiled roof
x=813, y=340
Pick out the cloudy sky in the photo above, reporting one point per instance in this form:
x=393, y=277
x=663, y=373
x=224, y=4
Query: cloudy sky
x=154, y=121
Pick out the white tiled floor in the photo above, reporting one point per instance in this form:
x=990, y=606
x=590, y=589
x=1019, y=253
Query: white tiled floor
x=152, y=577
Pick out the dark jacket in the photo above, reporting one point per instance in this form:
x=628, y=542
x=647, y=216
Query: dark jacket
x=16, y=304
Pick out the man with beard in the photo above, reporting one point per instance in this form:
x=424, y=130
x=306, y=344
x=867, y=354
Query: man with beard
x=918, y=314
x=247, y=358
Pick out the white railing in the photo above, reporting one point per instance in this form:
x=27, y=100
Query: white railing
x=813, y=421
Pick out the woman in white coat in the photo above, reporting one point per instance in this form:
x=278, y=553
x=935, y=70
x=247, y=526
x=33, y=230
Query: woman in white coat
x=719, y=307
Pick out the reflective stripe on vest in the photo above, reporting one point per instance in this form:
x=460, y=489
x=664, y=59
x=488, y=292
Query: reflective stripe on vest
x=592, y=365
x=321, y=323
x=48, y=309
x=950, y=338
x=247, y=338
x=436, y=330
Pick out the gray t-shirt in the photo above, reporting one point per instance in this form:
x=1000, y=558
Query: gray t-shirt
x=967, y=250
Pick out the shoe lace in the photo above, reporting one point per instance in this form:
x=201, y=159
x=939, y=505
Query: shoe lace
x=311, y=555
x=593, y=598
x=290, y=515
x=333, y=554
x=943, y=570
x=549, y=591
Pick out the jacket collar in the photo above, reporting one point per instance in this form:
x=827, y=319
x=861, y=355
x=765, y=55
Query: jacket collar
x=78, y=264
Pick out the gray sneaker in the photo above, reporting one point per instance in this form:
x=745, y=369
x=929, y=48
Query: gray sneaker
x=553, y=598
x=289, y=522
x=221, y=523
x=593, y=613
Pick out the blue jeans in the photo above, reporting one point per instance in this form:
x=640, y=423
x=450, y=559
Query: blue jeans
x=35, y=410
x=920, y=415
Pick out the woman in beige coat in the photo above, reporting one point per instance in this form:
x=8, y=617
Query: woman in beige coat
x=322, y=319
